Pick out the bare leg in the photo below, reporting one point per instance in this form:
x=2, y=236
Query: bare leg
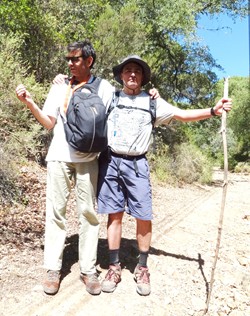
x=114, y=228
x=143, y=234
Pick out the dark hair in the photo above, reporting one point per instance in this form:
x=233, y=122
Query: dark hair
x=86, y=48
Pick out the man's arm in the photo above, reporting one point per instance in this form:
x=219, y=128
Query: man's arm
x=25, y=97
x=201, y=114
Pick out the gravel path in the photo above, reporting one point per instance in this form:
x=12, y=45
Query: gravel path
x=185, y=229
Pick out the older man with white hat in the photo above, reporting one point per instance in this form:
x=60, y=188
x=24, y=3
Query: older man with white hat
x=124, y=177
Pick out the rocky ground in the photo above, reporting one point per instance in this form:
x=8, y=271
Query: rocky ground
x=185, y=230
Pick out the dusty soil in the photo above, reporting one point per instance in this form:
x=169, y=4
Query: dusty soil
x=185, y=230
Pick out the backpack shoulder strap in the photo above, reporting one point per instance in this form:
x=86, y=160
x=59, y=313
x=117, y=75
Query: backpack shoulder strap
x=114, y=102
x=152, y=108
x=94, y=84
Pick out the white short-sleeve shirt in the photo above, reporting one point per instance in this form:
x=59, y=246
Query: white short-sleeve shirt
x=130, y=127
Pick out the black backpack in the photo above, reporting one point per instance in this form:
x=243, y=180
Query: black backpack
x=86, y=125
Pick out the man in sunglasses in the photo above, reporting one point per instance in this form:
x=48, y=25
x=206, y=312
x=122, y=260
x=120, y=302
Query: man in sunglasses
x=64, y=165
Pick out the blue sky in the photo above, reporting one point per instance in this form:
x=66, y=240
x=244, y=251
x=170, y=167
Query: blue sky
x=229, y=45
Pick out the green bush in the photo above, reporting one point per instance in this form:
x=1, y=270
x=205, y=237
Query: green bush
x=8, y=171
x=160, y=163
x=19, y=131
x=242, y=167
x=191, y=165
x=21, y=137
x=185, y=164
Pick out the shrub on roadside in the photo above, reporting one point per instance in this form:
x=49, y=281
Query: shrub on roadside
x=185, y=164
x=242, y=167
x=8, y=190
x=191, y=165
x=160, y=163
x=21, y=137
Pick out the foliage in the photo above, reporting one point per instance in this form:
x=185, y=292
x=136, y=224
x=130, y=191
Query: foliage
x=46, y=27
x=34, y=34
x=192, y=165
x=239, y=117
x=242, y=167
x=184, y=163
x=8, y=189
x=32, y=22
x=161, y=31
x=116, y=25
x=160, y=162
x=20, y=135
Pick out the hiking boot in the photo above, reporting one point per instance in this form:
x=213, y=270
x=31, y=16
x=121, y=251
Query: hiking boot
x=142, y=280
x=92, y=283
x=112, y=278
x=52, y=282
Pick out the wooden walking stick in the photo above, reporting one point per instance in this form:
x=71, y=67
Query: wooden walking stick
x=224, y=139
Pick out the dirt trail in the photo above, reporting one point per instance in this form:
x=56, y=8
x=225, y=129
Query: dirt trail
x=182, y=253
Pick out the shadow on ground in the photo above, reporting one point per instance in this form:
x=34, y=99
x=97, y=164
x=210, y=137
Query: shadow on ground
x=128, y=254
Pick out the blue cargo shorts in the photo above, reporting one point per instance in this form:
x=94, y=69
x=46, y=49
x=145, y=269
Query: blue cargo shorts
x=124, y=185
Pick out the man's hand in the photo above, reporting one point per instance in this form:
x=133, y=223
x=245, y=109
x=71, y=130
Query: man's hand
x=154, y=93
x=223, y=104
x=60, y=79
x=23, y=94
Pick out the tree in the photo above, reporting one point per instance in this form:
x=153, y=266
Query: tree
x=161, y=32
x=117, y=34
x=46, y=27
x=164, y=31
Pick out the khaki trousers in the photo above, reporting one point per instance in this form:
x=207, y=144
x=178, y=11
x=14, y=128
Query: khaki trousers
x=59, y=185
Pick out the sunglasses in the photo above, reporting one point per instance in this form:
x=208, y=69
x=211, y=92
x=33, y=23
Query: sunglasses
x=72, y=59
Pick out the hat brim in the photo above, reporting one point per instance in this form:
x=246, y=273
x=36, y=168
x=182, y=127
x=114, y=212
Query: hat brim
x=146, y=70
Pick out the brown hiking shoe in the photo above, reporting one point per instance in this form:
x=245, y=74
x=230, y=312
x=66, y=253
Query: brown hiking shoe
x=112, y=278
x=92, y=283
x=142, y=279
x=52, y=282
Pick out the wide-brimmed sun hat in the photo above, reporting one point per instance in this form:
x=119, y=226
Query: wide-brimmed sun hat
x=133, y=59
